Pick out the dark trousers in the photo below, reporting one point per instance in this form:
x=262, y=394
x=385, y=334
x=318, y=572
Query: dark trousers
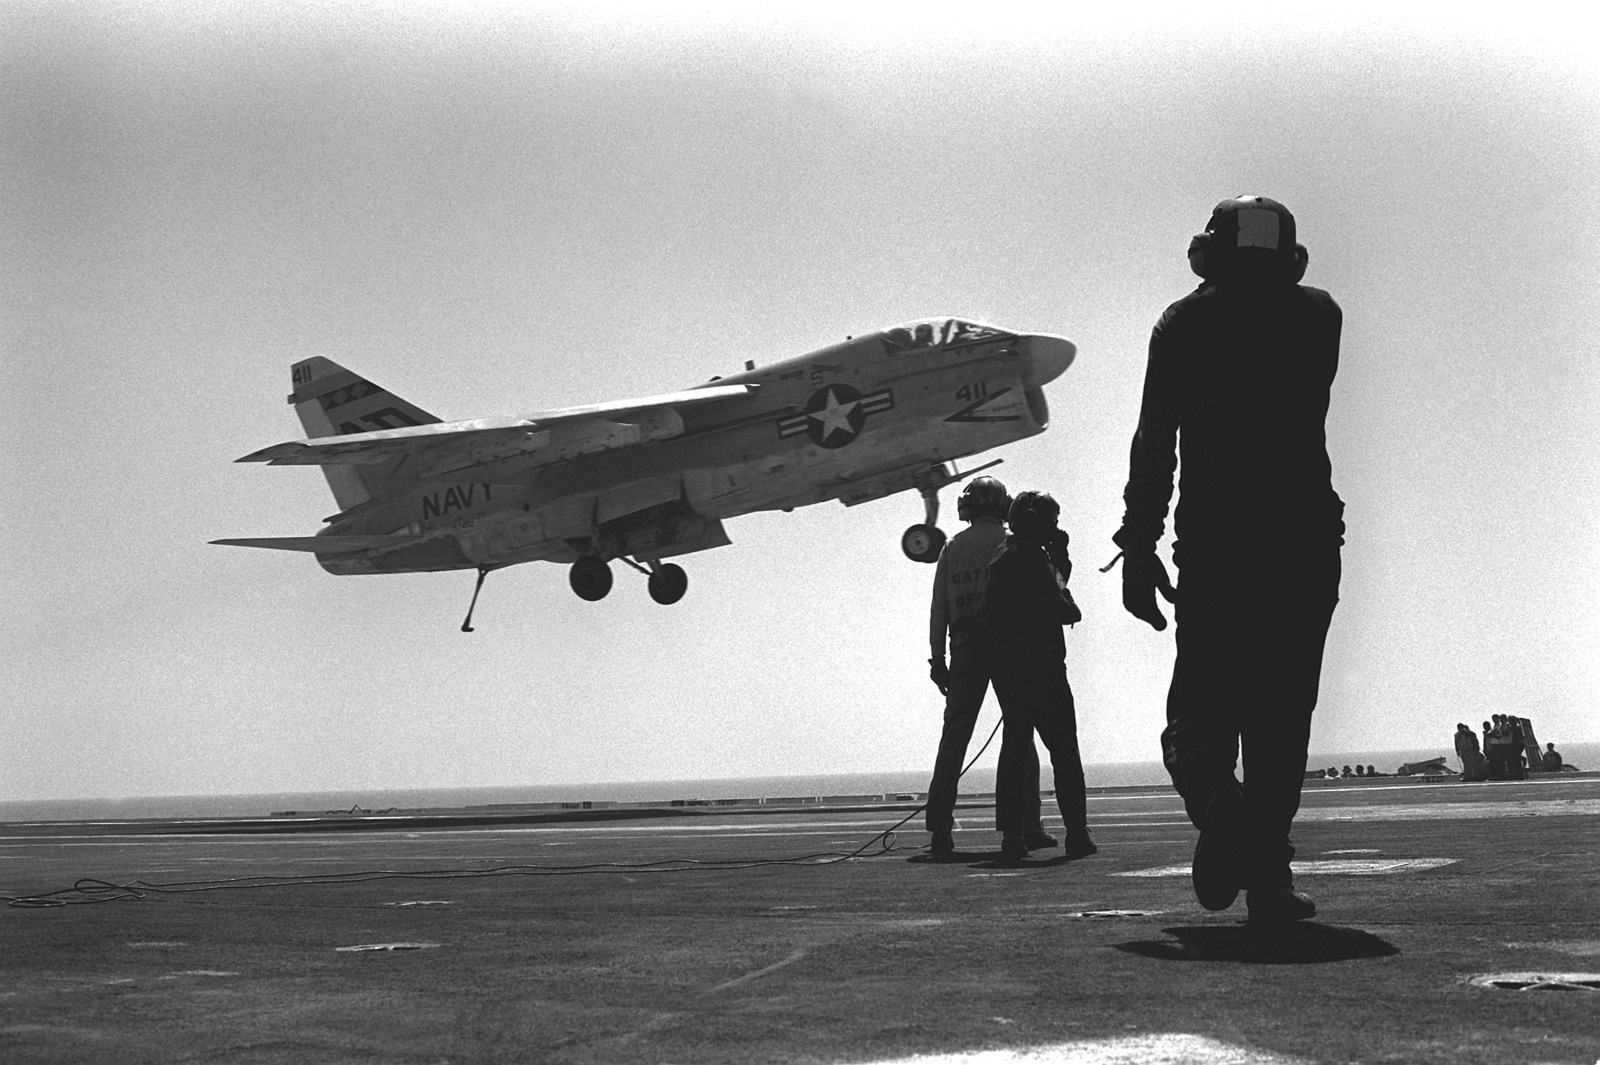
x=969, y=683
x=1251, y=630
x=1499, y=763
x=1036, y=698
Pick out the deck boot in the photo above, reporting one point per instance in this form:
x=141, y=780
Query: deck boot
x=1218, y=870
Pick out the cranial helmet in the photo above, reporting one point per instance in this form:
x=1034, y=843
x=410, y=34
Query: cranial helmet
x=1033, y=514
x=983, y=497
x=1249, y=236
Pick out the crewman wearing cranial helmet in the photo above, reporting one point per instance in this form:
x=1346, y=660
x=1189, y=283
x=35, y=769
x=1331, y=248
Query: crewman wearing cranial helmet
x=958, y=586
x=1026, y=606
x=1236, y=394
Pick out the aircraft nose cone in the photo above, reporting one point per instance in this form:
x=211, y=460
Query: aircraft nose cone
x=1048, y=357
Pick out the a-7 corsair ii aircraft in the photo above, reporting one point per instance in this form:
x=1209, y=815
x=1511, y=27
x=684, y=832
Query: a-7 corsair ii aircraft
x=644, y=480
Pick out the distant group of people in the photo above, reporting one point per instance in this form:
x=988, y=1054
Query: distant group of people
x=1333, y=772
x=1236, y=393
x=1508, y=751
x=1504, y=740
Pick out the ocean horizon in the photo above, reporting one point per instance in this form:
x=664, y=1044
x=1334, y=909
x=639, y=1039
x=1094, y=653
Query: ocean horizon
x=979, y=780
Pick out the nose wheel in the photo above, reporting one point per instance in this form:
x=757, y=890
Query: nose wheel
x=922, y=543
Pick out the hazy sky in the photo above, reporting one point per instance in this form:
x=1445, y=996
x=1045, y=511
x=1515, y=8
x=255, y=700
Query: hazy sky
x=492, y=209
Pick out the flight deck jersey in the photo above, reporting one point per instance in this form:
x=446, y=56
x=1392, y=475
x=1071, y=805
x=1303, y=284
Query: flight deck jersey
x=1026, y=607
x=1245, y=372
x=959, y=580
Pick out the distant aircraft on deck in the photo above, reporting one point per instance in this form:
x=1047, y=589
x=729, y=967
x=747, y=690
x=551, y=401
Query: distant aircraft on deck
x=647, y=479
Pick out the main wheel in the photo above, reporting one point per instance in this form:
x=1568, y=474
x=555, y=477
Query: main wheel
x=590, y=578
x=922, y=543
x=668, y=583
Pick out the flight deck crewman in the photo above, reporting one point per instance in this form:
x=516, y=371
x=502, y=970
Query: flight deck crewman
x=958, y=586
x=1236, y=393
x=1473, y=765
x=1027, y=603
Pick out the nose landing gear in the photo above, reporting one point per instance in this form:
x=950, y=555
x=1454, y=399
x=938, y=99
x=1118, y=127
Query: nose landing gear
x=922, y=543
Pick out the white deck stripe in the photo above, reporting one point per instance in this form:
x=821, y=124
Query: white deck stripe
x=1453, y=811
x=1165, y=1048
x=1333, y=867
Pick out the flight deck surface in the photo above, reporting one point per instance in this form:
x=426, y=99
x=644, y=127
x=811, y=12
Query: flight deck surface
x=1457, y=923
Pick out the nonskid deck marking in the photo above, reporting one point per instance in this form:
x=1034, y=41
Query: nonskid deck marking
x=747, y=977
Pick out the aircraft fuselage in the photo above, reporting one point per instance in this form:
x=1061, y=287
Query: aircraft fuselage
x=856, y=421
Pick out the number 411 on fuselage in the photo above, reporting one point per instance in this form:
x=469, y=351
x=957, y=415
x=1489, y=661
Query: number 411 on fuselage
x=648, y=479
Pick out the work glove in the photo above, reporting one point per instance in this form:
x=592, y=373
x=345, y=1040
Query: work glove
x=1142, y=576
x=940, y=673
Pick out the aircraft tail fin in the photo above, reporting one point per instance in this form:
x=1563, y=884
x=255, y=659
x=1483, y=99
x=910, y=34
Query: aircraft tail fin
x=334, y=401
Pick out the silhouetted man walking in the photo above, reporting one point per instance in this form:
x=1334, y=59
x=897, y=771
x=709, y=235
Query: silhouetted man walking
x=1237, y=385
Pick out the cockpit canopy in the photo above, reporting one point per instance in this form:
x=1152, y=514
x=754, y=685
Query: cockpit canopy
x=938, y=333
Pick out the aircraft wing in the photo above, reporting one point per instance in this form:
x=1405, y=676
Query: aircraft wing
x=454, y=445
x=321, y=545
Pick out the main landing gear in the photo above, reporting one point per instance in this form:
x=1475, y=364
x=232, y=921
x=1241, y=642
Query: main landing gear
x=591, y=579
x=667, y=583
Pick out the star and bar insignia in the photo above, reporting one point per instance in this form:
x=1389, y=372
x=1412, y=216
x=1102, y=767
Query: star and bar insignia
x=834, y=416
